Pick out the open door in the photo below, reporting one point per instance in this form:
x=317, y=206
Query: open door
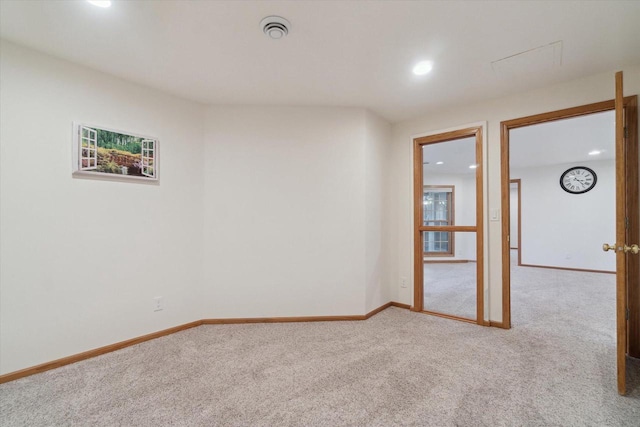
x=622, y=247
x=621, y=267
x=627, y=217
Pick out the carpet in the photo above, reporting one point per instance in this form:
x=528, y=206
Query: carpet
x=556, y=367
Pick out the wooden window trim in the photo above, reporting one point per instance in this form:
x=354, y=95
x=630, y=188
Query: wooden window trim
x=451, y=222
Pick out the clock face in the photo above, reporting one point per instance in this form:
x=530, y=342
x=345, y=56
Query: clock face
x=578, y=180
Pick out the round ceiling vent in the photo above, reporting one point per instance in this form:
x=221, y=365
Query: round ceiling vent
x=275, y=27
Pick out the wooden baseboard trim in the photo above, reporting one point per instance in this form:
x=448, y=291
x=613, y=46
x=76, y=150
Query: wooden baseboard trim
x=497, y=324
x=377, y=310
x=11, y=376
x=241, y=320
x=93, y=353
x=567, y=268
x=400, y=305
x=449, y=316
x=447, y=261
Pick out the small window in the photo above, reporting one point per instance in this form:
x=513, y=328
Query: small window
x=438, y=211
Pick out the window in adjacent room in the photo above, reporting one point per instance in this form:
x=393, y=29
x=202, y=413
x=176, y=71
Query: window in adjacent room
x=438, y=211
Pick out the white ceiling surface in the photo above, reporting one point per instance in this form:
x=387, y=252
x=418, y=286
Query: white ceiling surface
x=563, y=141
x=338, y=53
x=551, y=143
x=456, y=157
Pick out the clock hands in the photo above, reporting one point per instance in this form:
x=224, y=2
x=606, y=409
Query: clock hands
x=579, y=179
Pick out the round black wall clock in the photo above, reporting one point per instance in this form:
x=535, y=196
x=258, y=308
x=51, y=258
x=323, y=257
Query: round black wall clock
x=578, y=180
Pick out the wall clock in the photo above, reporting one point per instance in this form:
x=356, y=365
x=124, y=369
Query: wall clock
x=578, y=180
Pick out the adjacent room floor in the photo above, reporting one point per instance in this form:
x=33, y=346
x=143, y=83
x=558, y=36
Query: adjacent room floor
x=450, y=288
x=555, y=367
x=538, y=295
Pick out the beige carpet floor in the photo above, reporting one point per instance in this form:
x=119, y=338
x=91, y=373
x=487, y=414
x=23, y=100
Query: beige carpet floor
x=556, y=367
x=450, y=288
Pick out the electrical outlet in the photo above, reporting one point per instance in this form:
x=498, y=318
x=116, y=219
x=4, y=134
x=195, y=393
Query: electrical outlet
x=158, y=304
x=403, y=282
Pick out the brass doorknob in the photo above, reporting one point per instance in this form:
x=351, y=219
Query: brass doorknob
x=607, y=247
x=634, y=249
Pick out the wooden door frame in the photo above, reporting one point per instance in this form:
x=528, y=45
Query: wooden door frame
x=630, y=104
x=418, y=183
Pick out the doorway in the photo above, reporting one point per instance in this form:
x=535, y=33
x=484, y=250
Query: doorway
x=448, y=225
x=626, y=172
x=567, y=168
x=556, y=116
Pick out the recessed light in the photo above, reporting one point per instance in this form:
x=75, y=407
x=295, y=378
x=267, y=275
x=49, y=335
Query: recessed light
x=594, y=152
x=473, y=166
x=100, y=3
x=439, y=163
x=422, y=68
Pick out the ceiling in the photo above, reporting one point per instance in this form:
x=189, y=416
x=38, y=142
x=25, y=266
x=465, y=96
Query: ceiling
x=337, y=53
x=564, y=141
x=454, y=157
x=550, y=143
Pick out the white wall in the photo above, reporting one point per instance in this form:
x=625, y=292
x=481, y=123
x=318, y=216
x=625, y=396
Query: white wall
x=259, y=211
x=293, y=211
x=81, y=260
x=567, y=230
x=400, y=206
x=376, y=155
